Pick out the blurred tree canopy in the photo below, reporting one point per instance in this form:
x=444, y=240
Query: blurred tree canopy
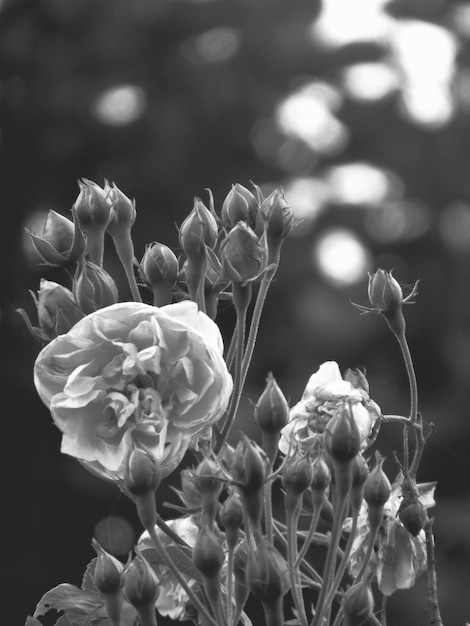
x=360, y=110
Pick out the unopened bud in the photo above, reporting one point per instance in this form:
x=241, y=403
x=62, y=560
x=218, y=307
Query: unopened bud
x=231, y=518
x=62, y=243
x=377, y=490
x=320, y=481
x=108, y=570
x=143, y=474
x=207, y=481
x=243, y=256
x=411, y=512
x=358, y=603
x=271, y=415
x=57, y=311
x=342, y=438
x=240, y=205
x=198, y=230
x=297, y=476
x=123, y=213
x=360, y=473
x=94, y=288
x=107, y=577
x=140, y=584
x=159, y=270
x=275, y=217
x=248, y=469
x=208, y=554
x=93, y=210
x=266, y=573
x=385, y=293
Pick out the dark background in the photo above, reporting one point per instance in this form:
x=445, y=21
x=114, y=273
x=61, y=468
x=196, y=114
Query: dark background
x=206, y=78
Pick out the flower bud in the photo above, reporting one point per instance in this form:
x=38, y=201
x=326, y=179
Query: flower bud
x=243, y=256
x=140, y=585
x=62, y=243
x=143, y=474
x=94, y=288
x=108, y=570
x=385, y=293
x=189, y=493
x=342, y=438
x=358, y=603
x=159, y=270
x=360, y=473
x=271, y=415
x=122, y=214
x=267, y=574
x=275, y=217
x=92, y=206
x=240, y=205
x=377, y=490
x=93, y=210
x=208, y=555
x=320, y=481
x=207, y=481
x=297, y=476
x=57, y=311
x=248, y=469
x=107, y=577
x=411, y=512
x=198, y=230
x=231, y=518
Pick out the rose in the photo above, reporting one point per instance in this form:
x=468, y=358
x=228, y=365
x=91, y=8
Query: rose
x=172, y=599
x=132, y=374
x=324, y=395
x=400, y=558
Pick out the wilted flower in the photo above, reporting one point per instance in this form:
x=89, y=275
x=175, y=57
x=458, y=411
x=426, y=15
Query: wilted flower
x=324, y=394
x=172, y=599
x=57, y=311
x=400, y=558
x=130, y=375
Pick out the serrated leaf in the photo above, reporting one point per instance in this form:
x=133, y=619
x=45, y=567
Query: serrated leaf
x=76, y=603
x=88, y=584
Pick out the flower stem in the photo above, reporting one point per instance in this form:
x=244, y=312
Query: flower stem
x=370, y=546
x=296, y=589
x=433, y=603
x=268, y=511
x=241, y=299
x=125, y=250
x=179, y=577
x=308, y=538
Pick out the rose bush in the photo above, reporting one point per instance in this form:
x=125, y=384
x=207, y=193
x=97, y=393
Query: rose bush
x=324, y=394
x=132, y=374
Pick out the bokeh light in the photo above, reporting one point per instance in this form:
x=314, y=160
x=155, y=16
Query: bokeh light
x=213, y=46
x=454, y=227
x=341, y=257
x=307, y=197
x=360, y=183
x=398, y=221
x=120, y=105
x=369, y=81
x=308, y=113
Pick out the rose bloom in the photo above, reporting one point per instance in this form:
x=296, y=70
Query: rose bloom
x=172, y=598
x=324, y=395
x=400, y=558
x=132, y=374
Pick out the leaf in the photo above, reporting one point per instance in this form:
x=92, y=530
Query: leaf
x=88, y=584
x=32, y=621
x=76, y=603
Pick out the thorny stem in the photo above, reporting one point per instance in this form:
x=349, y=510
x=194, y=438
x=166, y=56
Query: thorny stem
x=179, y=577
x=433, y=603
x=296, y=589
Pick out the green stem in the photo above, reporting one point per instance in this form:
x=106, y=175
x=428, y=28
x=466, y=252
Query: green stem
x=308, y=538
x=147, y=615
x=433, y=603
x=95, y=244
x=315, y=580
x=125, y=250
x=268, y=511
x=230, y=586
x=179, y=577
x=340, y=509
x=241, y=298
x=296, y=589
x=370, y=546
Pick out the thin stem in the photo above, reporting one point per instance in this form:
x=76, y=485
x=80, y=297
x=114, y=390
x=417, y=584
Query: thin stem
x=368, y=554
x=230, y=586
x=315, y=578
x=125, y=251
x=268, y=511
x=344, y=561
x=296, y=589
x=433, y=603
x=147, y=615
x=179, y=577
x=311, y=530
x=321, y=608
x=242, y=297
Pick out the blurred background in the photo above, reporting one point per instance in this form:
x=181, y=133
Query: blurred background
x=360, y=110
